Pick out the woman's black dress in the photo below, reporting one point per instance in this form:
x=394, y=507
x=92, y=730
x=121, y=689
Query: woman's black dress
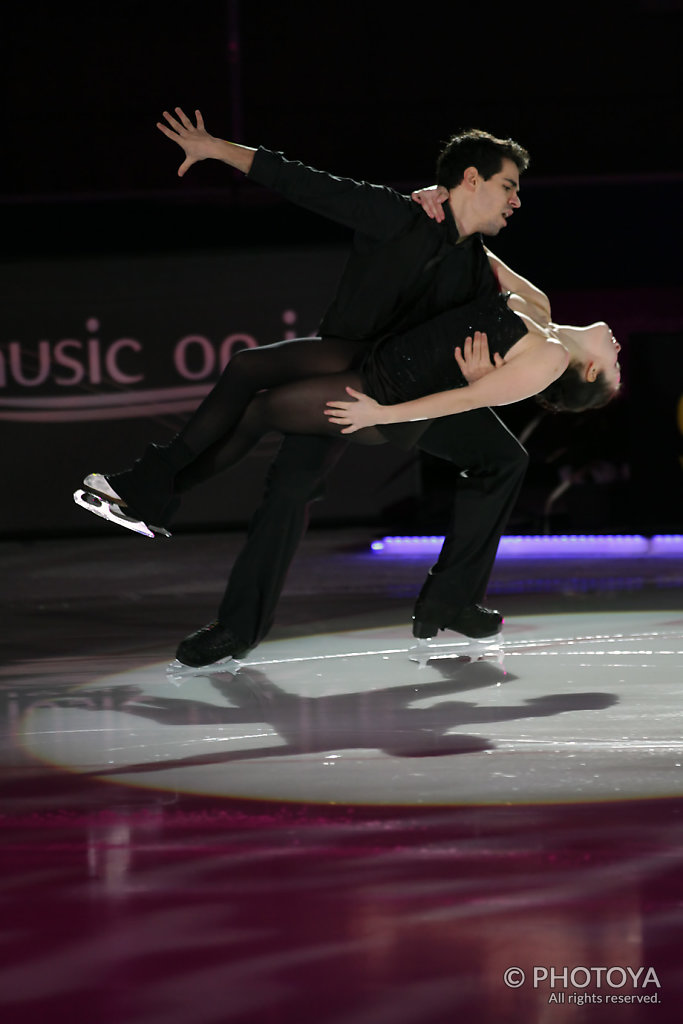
x=402, y=367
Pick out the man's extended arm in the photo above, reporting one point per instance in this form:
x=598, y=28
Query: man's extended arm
x=373, y=210
x=199, y=145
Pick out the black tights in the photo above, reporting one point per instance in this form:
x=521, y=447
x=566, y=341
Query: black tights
x=281, y=387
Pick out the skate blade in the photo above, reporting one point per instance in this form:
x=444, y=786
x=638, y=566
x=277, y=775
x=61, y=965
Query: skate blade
x=428, y=650
x=99, y=506
x=176, y=672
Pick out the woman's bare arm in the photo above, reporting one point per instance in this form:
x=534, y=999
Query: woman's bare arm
x=520, y=378
x=534, y=302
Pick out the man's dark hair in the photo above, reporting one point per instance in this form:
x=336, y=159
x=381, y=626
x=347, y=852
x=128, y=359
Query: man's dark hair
x=475, y=148
x=571, y=392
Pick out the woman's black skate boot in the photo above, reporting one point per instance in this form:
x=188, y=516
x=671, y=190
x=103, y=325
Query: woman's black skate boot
x=147, y=490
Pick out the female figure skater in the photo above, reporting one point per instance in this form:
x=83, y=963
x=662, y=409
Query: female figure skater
x=389, y=390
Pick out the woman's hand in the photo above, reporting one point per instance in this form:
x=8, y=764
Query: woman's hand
x=431, y=200
x=352, y=416
x=474, y=359
x=194, y=140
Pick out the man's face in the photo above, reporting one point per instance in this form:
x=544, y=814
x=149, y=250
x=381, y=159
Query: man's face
x=494, y=200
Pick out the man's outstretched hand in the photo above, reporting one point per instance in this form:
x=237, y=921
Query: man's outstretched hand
x=194, y=140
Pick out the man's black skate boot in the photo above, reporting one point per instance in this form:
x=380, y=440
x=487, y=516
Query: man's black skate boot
x=210, y=644
x=474, y=621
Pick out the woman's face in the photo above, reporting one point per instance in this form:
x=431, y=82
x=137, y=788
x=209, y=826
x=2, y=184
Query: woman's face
x=602, y=351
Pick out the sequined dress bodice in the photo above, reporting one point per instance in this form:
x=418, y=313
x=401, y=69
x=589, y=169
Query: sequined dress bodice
x=421, y=361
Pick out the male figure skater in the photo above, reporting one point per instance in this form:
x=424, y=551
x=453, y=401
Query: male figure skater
x=404, y=268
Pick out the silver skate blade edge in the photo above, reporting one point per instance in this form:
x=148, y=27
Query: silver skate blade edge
x=428, y=650
x=105, y=510
x=176, y=672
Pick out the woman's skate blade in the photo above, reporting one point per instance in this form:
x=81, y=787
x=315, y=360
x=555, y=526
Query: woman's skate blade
x=108, y=510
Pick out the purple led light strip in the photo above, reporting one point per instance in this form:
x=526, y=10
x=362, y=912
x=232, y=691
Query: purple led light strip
x=569, y=546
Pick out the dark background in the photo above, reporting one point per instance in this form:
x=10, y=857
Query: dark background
x=592, y=90
x=371, y=90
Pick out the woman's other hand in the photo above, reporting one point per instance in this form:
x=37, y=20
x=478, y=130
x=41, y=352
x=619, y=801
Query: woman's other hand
x=474, y=358
x=431, y=200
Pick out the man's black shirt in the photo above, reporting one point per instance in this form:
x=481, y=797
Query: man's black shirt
x=403, y=268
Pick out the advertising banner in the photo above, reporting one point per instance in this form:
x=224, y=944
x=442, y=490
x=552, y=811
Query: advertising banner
x=100, y=356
